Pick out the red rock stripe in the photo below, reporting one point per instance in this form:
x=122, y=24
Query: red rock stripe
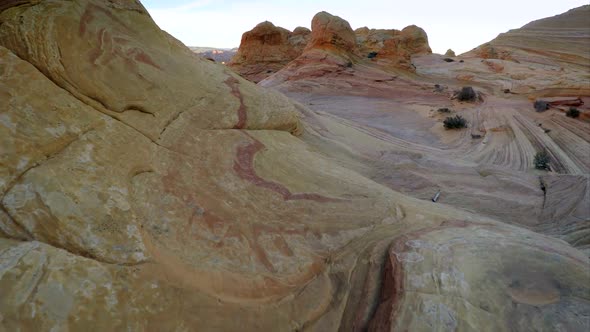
x=244, y=167
x=233, y=83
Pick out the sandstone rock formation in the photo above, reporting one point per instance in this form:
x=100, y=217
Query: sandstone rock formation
x=450, y=53
x=334, y=48
x=329, y=32
x=393, y=46
x=266, y=49
x=145, y=188
x=558, y=40
x=399, y=51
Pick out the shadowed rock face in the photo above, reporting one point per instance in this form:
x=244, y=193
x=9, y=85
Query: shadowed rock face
x=144, y=188
x=266, y=49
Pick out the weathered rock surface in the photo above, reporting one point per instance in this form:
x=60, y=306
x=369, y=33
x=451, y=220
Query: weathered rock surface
x=393, y=47
x=144, y=188
x=335, y=48
x=332, y=33
x=559, y=40
x=266, y=49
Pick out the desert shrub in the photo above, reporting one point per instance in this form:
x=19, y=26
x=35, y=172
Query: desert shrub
x=372, y=55
x=541, y=105
x=467, y=94
x=444, y=110
x=448, y=60
x=439, y=88
x=541, y=160
x=573, y=112
x=455, y=122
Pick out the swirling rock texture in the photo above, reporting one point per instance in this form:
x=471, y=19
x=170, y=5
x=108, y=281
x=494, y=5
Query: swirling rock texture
x=266, y=49
x=145, y=188
x=561, y=39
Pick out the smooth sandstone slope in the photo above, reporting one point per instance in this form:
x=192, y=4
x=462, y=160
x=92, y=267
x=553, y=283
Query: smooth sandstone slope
x=561, y=39
x=174, y=214
x=399, y=140
x=266, y=49
x=384, y=123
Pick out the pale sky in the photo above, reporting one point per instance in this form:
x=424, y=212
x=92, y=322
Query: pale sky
x=457, y=24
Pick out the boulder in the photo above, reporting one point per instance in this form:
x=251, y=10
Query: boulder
x=331, y=33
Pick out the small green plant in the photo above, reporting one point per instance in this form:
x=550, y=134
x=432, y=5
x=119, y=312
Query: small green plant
x=573, y=112
x=455, y=122
x=541, y=160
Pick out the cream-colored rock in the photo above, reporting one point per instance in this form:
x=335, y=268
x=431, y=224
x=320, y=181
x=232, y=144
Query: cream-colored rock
x=188, y=219
x=66, y=169
x=121, y=65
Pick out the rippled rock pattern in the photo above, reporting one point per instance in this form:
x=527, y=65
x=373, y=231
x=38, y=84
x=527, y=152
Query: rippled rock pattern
x=145, y=188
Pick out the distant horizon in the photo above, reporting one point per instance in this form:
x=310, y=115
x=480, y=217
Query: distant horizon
x=220, y=24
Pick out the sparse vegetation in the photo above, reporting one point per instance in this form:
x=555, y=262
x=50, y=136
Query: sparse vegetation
x=444, y=110
x=541, y=105
x=455, y=122
x=439, y=88
x=372, y=55
x=573, y=112
x=541, y=160
x=467, y=94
